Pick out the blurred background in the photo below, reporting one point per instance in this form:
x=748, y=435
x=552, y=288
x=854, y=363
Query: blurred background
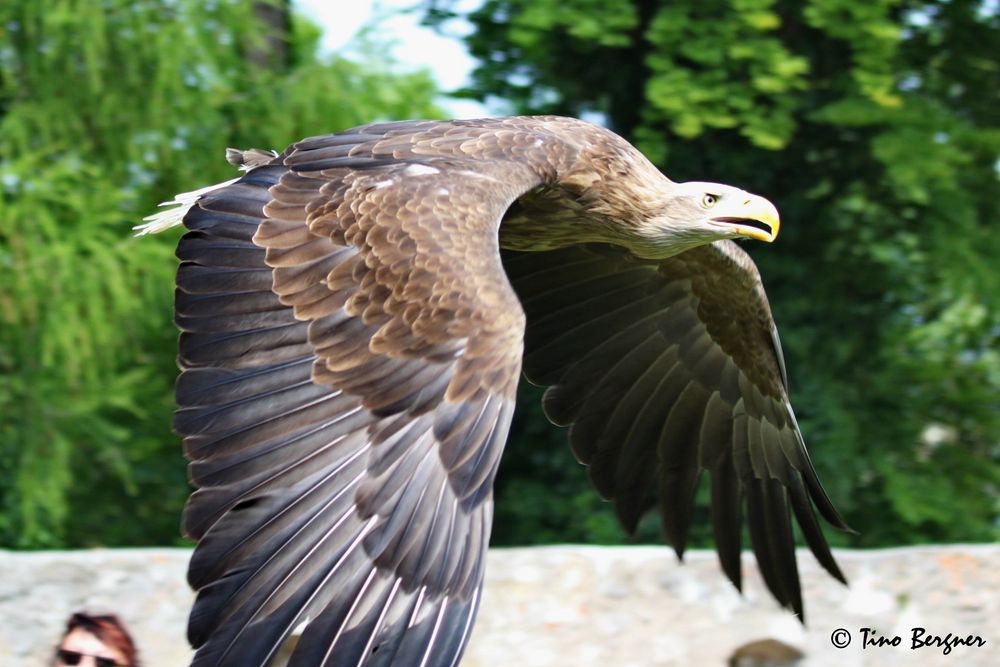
x=874, y=126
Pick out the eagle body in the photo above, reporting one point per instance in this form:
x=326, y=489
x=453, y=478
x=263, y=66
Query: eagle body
x=355, y=315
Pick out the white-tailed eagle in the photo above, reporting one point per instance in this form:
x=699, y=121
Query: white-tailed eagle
x=356, y=313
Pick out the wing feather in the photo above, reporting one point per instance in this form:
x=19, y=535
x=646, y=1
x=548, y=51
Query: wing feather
x=350, y=349
x=663, y=370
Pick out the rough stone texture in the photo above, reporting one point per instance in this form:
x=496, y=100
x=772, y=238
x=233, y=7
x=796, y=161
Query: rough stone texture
x=573, y=606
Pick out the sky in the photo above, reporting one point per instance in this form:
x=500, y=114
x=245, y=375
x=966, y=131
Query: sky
x=416, y=45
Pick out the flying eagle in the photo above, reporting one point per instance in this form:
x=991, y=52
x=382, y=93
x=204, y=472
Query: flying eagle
x=355, y=315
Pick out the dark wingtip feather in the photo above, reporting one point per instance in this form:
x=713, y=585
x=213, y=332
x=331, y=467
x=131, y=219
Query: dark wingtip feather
x=680, y=474
x=771, y=533
x=810, y=528
x=677, y=493
x=823, y=502
x=630, y=509
x=727, y=522
x=816, y=490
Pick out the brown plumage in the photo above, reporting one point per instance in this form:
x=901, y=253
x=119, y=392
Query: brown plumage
x=352, y=338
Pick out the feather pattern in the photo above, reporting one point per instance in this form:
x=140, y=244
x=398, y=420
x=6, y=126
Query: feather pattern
x=692, y=381
x=351, y=342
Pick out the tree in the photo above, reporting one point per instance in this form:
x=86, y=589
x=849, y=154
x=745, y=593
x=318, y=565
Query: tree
x=105, y=110
x=872, y=127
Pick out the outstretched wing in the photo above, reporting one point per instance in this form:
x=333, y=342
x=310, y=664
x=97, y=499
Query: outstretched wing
x=663, y=370
x=350, y=349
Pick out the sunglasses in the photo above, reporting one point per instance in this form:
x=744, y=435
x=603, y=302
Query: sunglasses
x=74, y=658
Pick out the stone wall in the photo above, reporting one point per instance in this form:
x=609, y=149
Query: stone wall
x=576, y=606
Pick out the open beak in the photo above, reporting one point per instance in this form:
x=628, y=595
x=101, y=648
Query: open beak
x=754, y=217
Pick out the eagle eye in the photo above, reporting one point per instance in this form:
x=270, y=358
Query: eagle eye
x=708, y=201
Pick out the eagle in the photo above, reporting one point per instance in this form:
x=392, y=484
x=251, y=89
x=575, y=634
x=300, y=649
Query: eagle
x=355, y=316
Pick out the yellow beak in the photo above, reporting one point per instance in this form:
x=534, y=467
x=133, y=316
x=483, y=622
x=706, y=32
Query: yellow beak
x=750, y=207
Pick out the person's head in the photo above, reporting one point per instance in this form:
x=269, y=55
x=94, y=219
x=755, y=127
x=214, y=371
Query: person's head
x=96, y=641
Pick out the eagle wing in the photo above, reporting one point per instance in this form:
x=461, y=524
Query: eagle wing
x=663, y=370
x=350, y=351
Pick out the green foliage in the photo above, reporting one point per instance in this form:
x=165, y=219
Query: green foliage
x=106, y=109
x=722, y=58
x=874, y=127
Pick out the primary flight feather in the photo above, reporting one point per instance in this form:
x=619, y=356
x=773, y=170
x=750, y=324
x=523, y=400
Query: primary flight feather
x=355, y=315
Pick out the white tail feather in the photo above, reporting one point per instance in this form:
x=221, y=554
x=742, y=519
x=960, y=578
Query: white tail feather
x=171, y=217
x=247, y=160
